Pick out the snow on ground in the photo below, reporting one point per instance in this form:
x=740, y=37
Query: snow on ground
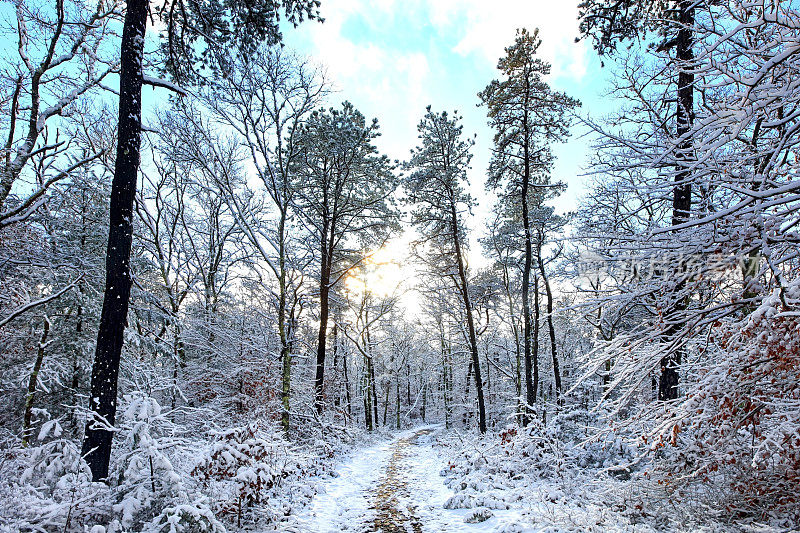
x=427, y=485
x=343, y=502
x=393, y=486
x=427, y=479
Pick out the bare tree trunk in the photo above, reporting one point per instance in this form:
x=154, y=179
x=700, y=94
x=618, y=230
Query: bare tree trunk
x=424, y=400
x=446, y=383
x=530, y=389
x=335, y=342
x=386, y=392
x=535, y=355
x=27, y=431
x=374, y=392
x=488, y=374
x=467, y=381
x=473, y=343
x=347, y=387
x=324, y=296
x=551, y=329
x=682, y=192
x=408, y=382
x=77, y=352
x=372, y=385
x=367, y=395
x=517, y=348
x=114, y=316
x=286, y=352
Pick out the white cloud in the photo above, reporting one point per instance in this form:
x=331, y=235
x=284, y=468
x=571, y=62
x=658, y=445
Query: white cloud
x=489, y=31
x=380, y=81
x=390, y=71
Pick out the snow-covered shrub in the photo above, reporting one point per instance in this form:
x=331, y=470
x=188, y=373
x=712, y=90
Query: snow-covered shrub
x=739, y=426
x=537, y=470
x=481, y=514
x=460, y=501
x=48, y=487
x=583, y=447
x=146, y=479
x=488, y=473
x=57, y=463
x=251, y=460
x=194, y=517
x=537, y=449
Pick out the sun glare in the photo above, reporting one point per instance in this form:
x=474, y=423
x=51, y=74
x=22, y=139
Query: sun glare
x=386, y=272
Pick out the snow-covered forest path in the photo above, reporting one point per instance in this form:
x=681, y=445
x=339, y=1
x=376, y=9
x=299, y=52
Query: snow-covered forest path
x=392, y=487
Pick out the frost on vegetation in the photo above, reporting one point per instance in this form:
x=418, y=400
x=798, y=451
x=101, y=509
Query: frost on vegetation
x=48, y=486
x=460, y=501
x=147, y=479
x=186, y=518
x=161, y=480
x=257, y=474
x=481, y=514
x=545, y=474
x=739, y=427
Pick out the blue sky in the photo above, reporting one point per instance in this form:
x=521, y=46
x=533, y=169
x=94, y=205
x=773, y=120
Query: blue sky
x=392, y=58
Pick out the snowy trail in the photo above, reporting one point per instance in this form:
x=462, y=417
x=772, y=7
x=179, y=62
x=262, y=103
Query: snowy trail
x=392, y=487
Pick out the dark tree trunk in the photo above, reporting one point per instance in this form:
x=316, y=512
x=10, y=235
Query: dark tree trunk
x=424, y=400
x=682, y=192
x=488, y=376
x=530, y=389
x=27, y=430
x=368, y=421
x=324, y=297
x=114, y=316
x=473, y=343
x=386, y=402
x=445, y=380
x=535, y=356
x=467, y=380
x=319, y=376
x=374, y=392
x=347, y=386
x=408, y=383
x=550, y=328
x=286, y=351
x=335, y=342
x=371, y=377
x=521, y=418
x=77, y=352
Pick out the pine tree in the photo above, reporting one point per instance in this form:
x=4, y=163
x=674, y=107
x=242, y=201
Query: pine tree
x=344, y=189
x=436, y=189
x=527, y=116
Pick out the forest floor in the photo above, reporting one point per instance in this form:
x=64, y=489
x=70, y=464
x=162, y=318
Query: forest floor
x=392, y=487
x=417, y=481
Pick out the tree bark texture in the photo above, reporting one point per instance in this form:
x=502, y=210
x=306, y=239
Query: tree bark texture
x=114, y=315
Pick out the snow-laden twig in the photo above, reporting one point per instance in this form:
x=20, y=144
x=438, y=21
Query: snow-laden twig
x=41, y=301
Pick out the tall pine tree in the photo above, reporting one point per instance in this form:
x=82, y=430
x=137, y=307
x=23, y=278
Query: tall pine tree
x=527, y=116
